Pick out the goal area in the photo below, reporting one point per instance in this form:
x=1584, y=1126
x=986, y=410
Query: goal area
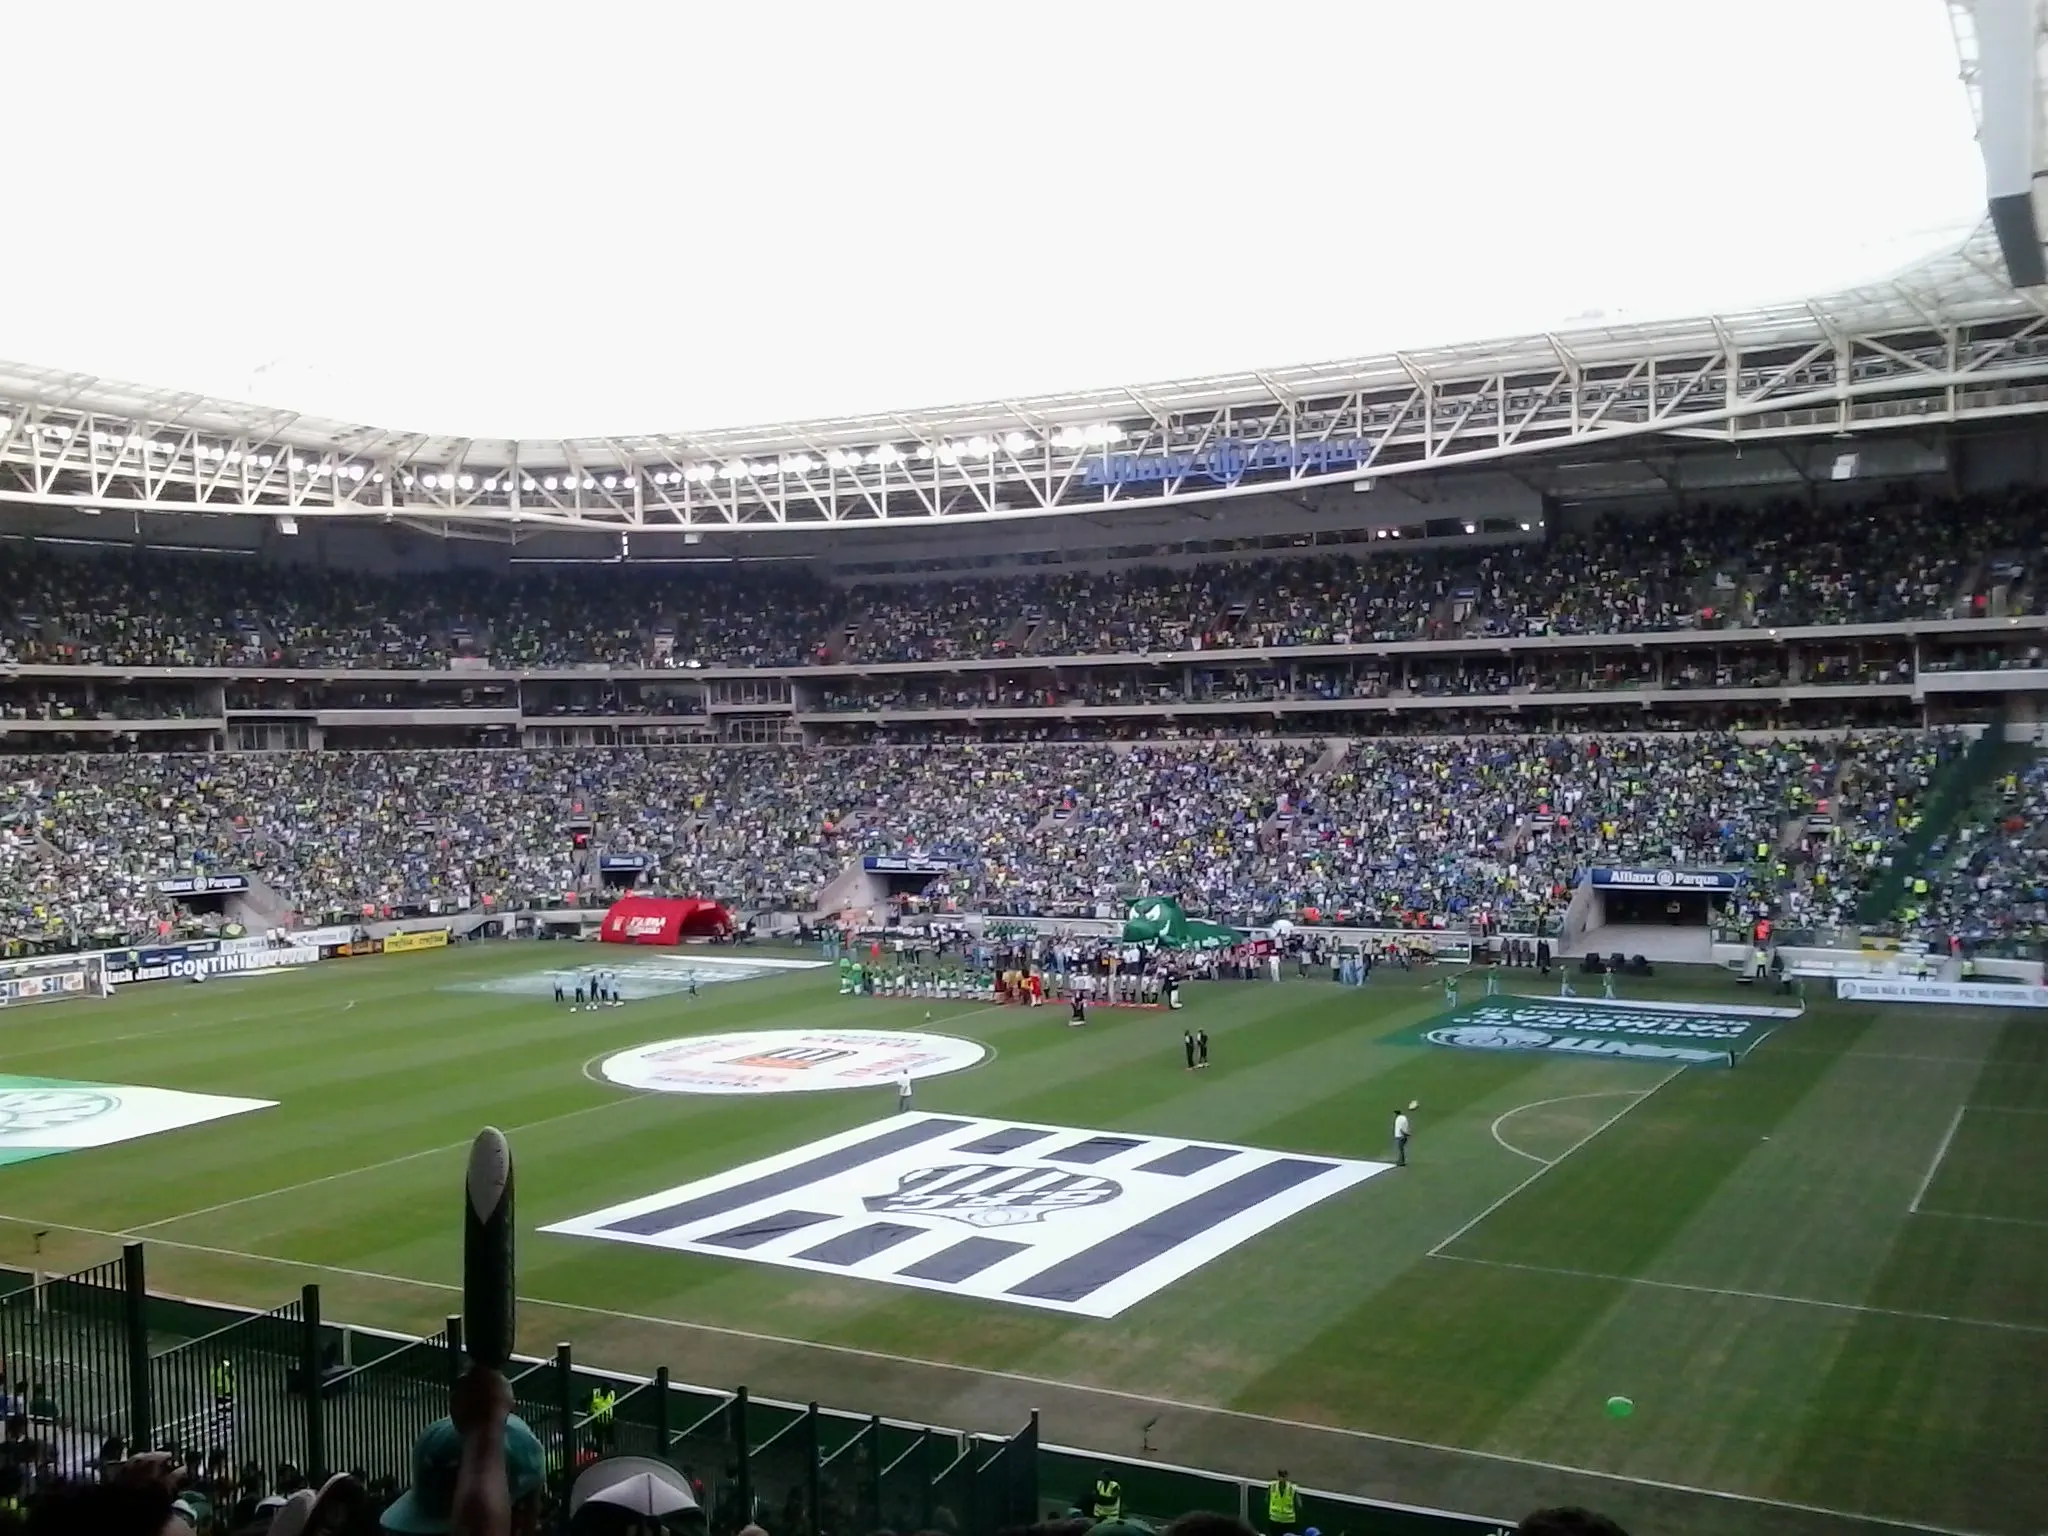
x=52, y=979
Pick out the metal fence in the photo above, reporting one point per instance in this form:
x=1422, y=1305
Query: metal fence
x=373, y=1412
x=286, y=1388
x=246, y=1392
x=69, y=1347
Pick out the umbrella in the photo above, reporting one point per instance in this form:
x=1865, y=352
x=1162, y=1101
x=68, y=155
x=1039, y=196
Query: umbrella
x=645, y=1494
x=637, y=1484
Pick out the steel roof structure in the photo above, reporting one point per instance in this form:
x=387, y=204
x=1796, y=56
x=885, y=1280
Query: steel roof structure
x=2002, y=46
x=1947, y=341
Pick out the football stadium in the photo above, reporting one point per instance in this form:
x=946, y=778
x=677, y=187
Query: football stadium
x=1449, y=941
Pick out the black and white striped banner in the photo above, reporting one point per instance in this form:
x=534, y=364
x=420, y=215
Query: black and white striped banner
x=1085, y=1222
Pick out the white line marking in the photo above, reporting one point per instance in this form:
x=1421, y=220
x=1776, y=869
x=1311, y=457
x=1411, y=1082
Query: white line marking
x=1605, y=1093
x=2004, y=1221
x=389, y=1162
x=1852, y=1056
x=1568, y=1151
x=1939, y=1153
x=1043, y=1382
x=1716, y=1290
x=1652, y=1005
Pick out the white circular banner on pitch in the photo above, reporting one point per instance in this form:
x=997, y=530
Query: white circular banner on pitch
x=788, y=1060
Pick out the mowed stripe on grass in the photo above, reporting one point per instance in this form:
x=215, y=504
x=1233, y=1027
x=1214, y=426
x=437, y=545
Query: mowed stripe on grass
x=1338, y=1317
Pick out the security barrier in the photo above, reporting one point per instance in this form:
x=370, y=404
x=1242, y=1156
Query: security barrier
x=287, y=1386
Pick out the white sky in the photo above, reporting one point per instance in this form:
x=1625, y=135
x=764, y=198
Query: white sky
x=565, y=220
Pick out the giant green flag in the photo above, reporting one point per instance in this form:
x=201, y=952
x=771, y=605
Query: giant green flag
x=1160, y=920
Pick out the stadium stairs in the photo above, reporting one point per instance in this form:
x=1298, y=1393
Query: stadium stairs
x=853, y=889
x=259, y=907
x=1954, y=790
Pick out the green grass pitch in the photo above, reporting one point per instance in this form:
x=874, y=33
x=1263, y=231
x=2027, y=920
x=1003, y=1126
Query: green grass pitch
x=1822, y=1278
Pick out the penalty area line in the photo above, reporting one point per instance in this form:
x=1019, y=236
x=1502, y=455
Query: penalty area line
x=1565, y=1098
x=1044, y=1383
x=1605, y=1125
x=1717, y=1290
x=389, y=1162
x=1940, y=1152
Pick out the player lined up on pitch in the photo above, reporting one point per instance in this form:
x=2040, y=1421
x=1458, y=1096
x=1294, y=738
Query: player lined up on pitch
x=593, y=987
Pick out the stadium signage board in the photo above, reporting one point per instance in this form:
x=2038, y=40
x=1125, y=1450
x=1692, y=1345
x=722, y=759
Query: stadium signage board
x=904, y=864
x=41, y=1116
x=616, y=863
x=204, y=957
x=789, y=1061
x=320, y=938
x=28, y=987
x=1569, y=1028
x=405, y=943
x=1909, y=989
x=1087, y=1223
x=1665, y=879
x=1226, y=462
x=202, y=885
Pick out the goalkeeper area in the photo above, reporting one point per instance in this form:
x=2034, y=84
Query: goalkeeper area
x=1815, y=1276
x=52, y=979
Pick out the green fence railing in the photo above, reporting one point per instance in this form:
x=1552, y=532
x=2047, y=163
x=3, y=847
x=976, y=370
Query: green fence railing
x=1953, y=786
x=375, y=1411
x=247, y=1391
x=289, y=1387
x=68, y=1344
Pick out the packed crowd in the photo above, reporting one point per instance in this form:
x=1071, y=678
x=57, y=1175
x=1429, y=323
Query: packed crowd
x=1770, y=566
x=1860, y=823
x=1483, y=829
x=483, y=1471
x=1992, y=884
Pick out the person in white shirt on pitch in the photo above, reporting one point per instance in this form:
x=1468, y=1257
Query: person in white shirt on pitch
x=902, y=1093
x=1402, y=1131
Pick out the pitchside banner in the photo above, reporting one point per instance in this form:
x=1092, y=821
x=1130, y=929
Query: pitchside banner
x=406, y=943
x=204, y=957
x=41, y=1116
x=1968, y=994
x=1586, y=1029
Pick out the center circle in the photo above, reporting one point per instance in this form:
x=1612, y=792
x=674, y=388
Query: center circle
x=788, y=1060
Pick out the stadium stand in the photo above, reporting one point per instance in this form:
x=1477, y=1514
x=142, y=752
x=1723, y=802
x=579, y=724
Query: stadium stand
x=1394, y=832
x=1777, y=566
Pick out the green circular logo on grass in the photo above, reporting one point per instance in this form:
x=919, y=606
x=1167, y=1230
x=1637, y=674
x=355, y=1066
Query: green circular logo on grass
x=24, y=1111
x=1489, y=1037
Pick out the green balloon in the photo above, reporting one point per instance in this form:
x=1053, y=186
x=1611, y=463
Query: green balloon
x=1619, y=1407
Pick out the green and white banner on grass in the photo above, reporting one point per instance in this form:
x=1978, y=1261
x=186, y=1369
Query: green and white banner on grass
x=41, y=1116
x=1637, y=1033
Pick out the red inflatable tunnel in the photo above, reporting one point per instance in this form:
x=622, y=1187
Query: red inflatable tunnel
x=663, y=920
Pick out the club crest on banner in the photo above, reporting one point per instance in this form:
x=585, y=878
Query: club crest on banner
x=993, y=1194
x=1088, y=1223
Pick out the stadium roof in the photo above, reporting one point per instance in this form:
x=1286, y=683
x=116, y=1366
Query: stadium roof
x=1948, y=340
x=1945, y=340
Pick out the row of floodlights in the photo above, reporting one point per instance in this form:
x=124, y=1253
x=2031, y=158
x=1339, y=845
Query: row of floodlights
x=967, y=450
